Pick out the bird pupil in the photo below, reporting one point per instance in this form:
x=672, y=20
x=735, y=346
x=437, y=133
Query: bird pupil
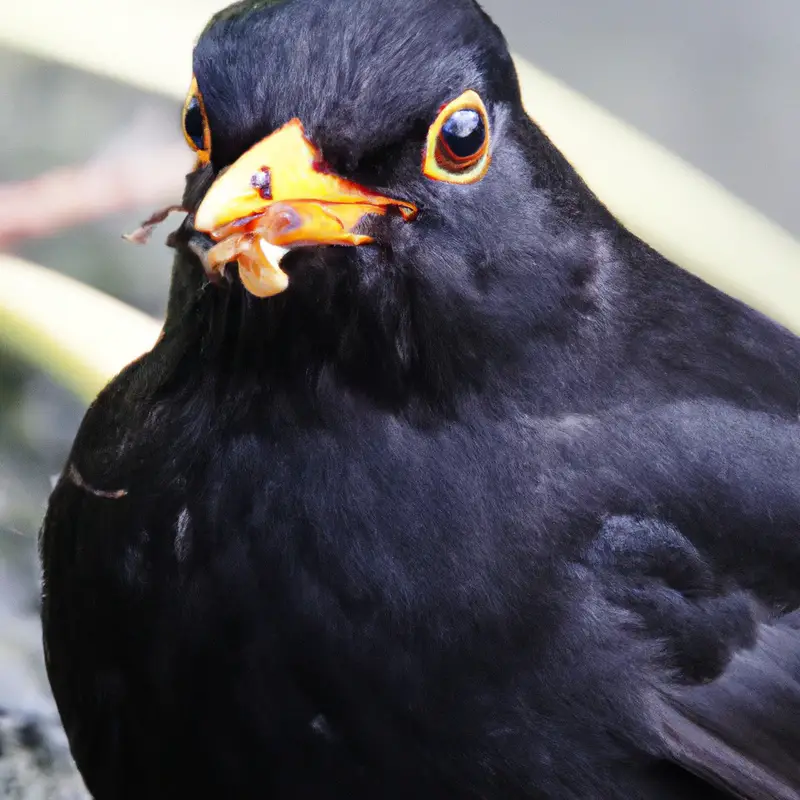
x=464, y=133
x=193, y=123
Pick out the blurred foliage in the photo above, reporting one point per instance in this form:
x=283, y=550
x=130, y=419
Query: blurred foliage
x=64, y=116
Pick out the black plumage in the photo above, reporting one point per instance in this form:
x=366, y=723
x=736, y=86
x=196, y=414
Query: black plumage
x=503, y=505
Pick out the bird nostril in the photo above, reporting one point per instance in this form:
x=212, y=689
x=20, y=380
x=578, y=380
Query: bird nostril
x=262, y=182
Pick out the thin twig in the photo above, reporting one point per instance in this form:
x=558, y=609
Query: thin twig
x=70, y=196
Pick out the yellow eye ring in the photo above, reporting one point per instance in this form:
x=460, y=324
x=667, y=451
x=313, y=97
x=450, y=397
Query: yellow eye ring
x=194, y=123
x=457, y=147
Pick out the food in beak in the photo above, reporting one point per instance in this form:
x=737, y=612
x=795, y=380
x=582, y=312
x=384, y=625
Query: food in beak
x=279, y=196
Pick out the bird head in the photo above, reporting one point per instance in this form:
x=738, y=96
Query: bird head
x=367, y=177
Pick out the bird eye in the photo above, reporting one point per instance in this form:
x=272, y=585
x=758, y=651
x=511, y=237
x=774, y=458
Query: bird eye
x=195, y=124
x=457, y=149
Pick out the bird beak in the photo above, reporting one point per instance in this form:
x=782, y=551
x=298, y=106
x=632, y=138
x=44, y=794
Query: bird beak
x=279, y=195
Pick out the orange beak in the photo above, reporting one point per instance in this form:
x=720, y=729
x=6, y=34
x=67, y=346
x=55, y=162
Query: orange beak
x=279, y=195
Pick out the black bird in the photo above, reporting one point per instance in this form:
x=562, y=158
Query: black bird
x=470, y=494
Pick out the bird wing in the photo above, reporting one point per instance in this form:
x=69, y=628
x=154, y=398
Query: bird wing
x=727, y=705
x=741, y=732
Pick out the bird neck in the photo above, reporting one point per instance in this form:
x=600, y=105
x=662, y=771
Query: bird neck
x=402, y=356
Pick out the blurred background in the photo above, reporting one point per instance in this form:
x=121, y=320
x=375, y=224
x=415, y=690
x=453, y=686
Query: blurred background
x=715, y=81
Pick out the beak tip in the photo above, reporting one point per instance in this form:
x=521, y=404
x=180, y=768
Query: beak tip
x=203, y=220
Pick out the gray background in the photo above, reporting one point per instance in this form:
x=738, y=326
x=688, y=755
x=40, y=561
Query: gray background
x=714, y=80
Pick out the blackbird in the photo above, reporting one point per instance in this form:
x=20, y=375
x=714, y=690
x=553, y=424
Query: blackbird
x=439, y=483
